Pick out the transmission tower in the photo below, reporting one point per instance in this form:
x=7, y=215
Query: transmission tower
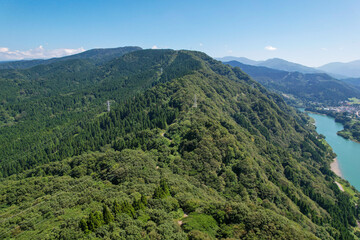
x=195, y=101
x=108, y=105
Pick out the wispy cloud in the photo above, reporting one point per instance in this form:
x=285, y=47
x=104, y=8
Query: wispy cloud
x=201, y=44
x=155, y=47
x=270, y=48
x=37, y=53
x=324, y=49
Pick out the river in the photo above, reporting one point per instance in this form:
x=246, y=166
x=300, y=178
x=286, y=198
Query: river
x=348, y=152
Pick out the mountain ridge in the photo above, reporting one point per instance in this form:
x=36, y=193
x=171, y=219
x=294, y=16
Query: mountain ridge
x=98, y=55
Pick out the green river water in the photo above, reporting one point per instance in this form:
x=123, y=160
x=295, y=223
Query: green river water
x=348, y=152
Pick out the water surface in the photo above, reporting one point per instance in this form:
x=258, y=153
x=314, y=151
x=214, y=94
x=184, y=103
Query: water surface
x=348, y=152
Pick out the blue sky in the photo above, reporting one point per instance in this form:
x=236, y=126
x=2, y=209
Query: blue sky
x=310, y=32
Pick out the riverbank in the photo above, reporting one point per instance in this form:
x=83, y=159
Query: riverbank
x=348, y=123
x=348, y=152
x=336, y=168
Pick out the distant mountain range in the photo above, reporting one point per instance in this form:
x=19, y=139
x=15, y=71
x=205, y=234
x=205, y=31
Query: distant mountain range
x=336, y=70
x=275, y=63
x=98, y=56
x=306, y=87
x=350, y=69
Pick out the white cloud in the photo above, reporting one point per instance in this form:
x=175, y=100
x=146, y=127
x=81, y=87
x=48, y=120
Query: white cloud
x=37, y=53
x=200, y=44
x=270, y=48
x=324, y=49
x=154, y=47
x=3, y=49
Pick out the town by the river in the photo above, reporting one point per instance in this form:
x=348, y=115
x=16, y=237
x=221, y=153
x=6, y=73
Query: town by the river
x=348, y=152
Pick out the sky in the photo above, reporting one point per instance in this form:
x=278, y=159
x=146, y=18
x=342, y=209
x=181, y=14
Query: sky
x=309, y=32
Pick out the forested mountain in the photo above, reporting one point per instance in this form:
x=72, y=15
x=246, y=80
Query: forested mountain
x=315, y=88
x=96, y=55
x=191, y=149
x=48, y=100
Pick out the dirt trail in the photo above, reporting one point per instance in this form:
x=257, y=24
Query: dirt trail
x=340, y=186
x=180, y=222
x=163, y=135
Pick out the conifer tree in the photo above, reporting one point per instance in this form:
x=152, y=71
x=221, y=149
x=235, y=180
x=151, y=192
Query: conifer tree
x=144, y=200
x=116, y=207
x=107, y=215
x=83, y=225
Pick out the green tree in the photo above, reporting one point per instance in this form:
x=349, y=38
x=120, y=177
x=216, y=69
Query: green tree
x=107, y=215
x=83, y=225
x=162, y=191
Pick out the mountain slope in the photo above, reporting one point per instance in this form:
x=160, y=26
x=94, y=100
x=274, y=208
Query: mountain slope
x=350, y=69
x=96, y=55
x=316, y=88
x=237, y=163
x=61, y=95
x=352, y=81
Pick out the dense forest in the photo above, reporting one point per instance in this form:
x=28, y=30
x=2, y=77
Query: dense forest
x=191, y=149
x=301, y=89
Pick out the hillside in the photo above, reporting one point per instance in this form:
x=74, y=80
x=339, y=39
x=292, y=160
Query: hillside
x=44, y=102
x=236, y=163
x=308, y=88
x=352, y=81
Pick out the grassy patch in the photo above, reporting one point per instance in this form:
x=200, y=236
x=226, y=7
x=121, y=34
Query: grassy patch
x=349, y=189
x=201, y=222
x=354, y=100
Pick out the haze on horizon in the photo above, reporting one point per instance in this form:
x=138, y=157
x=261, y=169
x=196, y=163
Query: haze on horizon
x=311, y=33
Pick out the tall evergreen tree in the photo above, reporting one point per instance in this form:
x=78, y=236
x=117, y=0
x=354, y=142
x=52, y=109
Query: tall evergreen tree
x=107, y=215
